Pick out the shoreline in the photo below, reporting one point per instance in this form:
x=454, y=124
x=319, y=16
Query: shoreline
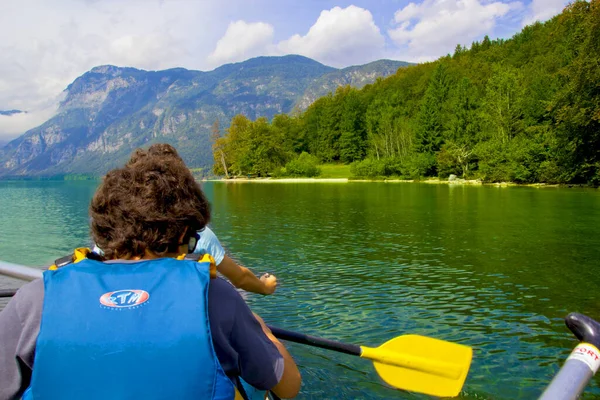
x=280, y=180
x=433, y=181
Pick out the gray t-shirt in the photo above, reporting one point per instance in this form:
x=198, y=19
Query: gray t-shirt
x=241, y=346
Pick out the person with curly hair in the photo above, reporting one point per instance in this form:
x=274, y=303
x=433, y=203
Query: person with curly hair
x=207, y=242
x=151, y=321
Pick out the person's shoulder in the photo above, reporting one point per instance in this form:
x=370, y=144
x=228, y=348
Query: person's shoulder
x=207, y=230
x=225, y=307
x=223, y=289
x=207, y=234
x=29, y=300
x=209, y=243
x=31, y=292
x=223, y=296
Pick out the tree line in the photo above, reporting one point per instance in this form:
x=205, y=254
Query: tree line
x=526, y=109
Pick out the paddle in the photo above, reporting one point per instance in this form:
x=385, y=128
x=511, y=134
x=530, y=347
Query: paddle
x=409, y=362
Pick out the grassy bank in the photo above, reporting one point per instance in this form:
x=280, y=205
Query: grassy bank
x=341, y=173
x=335, y=171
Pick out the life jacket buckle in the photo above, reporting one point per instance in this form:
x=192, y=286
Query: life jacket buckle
x=61, y=262
x=201, y=258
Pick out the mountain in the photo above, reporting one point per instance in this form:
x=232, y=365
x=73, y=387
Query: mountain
x=356, y=76
x=109, y=111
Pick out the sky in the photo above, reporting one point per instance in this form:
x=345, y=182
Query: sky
x=45, y=45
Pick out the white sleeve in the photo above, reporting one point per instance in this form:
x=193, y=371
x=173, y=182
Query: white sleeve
x=209, y=243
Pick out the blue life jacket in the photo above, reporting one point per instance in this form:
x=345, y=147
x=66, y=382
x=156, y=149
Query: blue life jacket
x=127, y=330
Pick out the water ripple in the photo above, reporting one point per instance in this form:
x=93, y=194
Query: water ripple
x=358, y=263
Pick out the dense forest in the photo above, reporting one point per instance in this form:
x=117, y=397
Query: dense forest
x=524, y=110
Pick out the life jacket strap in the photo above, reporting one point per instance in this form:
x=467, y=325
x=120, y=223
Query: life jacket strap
x=201, y=258
x=81, y=253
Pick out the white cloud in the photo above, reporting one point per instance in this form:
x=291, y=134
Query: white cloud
x=241, y=41
x=434, y=27
x=541, y=10
x=340, y=37
x=149, y=51
x=409, y=12
x=49, y=44
x=12, y=126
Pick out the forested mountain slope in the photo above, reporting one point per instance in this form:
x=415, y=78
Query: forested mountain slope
x=525, y=109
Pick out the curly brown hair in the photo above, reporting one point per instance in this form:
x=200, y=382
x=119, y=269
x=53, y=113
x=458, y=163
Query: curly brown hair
x=147, y=205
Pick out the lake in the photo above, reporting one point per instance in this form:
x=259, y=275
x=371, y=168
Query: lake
x=496, y=268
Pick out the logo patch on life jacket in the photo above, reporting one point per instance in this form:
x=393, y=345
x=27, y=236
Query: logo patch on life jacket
x=124, y=298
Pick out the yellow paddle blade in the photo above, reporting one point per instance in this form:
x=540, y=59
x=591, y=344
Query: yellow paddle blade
x=422, y=364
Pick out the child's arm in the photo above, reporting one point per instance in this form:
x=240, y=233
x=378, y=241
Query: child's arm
x=243, y=278
x=240, y=277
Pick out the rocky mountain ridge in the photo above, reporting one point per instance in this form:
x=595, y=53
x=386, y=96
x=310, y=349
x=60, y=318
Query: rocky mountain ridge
x=109, y=111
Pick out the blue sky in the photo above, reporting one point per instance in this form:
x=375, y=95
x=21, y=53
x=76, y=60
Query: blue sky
x=45, y=44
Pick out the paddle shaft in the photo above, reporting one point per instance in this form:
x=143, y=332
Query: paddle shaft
x=316, y=341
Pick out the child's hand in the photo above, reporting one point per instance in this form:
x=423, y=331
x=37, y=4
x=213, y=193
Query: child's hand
x=269, y=282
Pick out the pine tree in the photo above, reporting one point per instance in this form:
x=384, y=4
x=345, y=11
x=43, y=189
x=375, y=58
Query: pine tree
x=430, y=128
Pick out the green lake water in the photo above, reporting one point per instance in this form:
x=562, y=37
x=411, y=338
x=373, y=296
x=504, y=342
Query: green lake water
x=494, y=268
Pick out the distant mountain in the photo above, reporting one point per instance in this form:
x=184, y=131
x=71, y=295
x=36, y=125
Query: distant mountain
x=11, y=112
x=109, y=111
x=357, y=76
